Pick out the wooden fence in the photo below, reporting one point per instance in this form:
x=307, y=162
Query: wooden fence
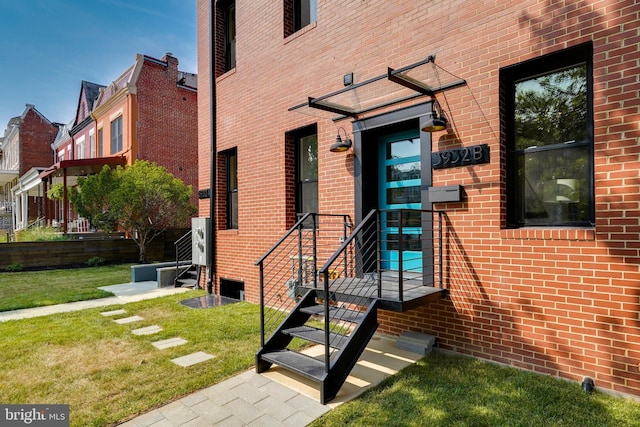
x=78, y=252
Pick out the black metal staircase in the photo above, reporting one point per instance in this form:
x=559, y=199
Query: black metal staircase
x=337, y=304
x=187, y=274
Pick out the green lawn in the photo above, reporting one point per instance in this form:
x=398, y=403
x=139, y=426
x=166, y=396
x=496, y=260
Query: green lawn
x=28, y=289
x=448, y=390
x=107, y=374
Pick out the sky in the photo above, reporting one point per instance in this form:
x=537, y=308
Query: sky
x=47, y=47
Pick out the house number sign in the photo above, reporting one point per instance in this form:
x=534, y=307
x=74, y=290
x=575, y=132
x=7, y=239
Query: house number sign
x=474, y=155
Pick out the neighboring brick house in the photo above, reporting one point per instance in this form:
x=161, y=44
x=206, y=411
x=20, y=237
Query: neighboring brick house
x=536, y=171
x=26, y=149
x=83, y=130
x=149, y=112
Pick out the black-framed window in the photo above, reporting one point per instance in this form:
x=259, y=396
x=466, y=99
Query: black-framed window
x=298, y=14
x=230, y=36
x=116, y=135
x=549, y=128
x=307, y=170
x=231, y=167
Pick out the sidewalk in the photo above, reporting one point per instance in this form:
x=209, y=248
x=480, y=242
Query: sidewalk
x=124, y=293
x=274, y=398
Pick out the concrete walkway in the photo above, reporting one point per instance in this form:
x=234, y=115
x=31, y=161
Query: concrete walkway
x=124, y=293
x=274, y=398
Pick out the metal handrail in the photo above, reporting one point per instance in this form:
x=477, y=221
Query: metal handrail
x=292, y=262
x=352, y=276
x=183, y=246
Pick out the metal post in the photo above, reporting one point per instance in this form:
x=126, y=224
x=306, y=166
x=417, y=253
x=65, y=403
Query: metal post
x=379, y=252
x=314, y=265
x=440, y=248
x=327, y=324
x=213, y=143
x=261, y=305
x=400, y=260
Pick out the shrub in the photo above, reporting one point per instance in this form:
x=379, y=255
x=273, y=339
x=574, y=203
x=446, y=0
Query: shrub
x=95, y=261
x=39, y=234
x=16, y=266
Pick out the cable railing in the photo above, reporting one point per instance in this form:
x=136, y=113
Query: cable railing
x=290, y=267
x=389, y=254
x=183, y=247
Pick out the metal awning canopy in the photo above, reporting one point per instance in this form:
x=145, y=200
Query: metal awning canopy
x=424, y=78
x=81, y=167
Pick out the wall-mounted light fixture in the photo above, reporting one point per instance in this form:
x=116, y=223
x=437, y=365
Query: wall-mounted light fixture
x=437, y=121
x=339, y=146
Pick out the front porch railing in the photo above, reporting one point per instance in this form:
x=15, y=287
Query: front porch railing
x=390, y=265
x=292, y=263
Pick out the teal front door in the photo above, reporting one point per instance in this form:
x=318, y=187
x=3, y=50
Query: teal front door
x=399, y=185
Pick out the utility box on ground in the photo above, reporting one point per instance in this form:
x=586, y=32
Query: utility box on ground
x=200, y=240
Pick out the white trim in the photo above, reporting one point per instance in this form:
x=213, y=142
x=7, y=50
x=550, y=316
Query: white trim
x=115, y=115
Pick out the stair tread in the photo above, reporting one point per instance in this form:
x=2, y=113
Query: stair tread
x=316, y=335
x=340, y=313
x=297, y=362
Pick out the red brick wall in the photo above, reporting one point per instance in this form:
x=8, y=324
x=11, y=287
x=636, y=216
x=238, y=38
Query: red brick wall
x=36, y=136
x=167, y=124
x=561, y=301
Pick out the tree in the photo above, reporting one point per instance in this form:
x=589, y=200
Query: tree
x=91, y=198
x=142, y=199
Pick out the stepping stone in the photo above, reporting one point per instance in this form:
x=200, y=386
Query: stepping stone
x=171, y=342
x=149, y=330
x=192, y=359
x=113, y=312
x=131, y=319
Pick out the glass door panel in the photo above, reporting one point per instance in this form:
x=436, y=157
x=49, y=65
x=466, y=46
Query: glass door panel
x=399, y=186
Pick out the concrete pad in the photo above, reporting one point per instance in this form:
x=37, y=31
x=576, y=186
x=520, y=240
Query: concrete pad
x=129, y=319
x=132, y=292
x=148, y=330
x=171, y=342
x=380, y=360
x=192, y=359
x=113, y=312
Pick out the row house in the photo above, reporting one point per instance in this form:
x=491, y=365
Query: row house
x=466, y=170
x=25, y=151
x=149, y=113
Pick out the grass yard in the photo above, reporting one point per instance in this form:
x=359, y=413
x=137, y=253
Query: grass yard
x=28, y=289
x=106, y=373
x=449, y=390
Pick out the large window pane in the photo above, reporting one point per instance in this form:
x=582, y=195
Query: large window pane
x=232, y=189
x=230, y=36
x=551, y=109
x=304, y=13
x=555, y=185
x=307, y=171
x=550, y=145
x=116, y=135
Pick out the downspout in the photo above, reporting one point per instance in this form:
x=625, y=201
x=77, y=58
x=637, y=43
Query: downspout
x=213, y=145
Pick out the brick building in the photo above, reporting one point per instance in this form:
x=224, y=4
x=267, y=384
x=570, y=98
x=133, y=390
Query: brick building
x=147, y=113
x=534, y=173
x=25, y=149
